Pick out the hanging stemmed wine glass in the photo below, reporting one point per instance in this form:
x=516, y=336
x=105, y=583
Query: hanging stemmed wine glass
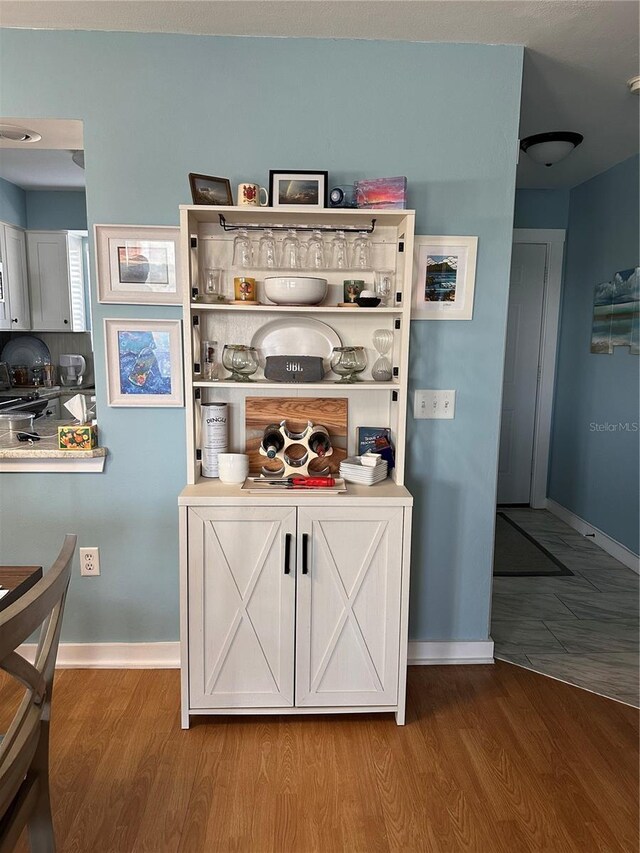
x=361, y=252
x=291, y=251
x=315, y=251
x=242, y=250
x=339, y=255
x=267, y=250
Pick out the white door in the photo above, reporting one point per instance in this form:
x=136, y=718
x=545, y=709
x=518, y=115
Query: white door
x=348, y=613
x=241, y=606
x=5, y=317
x=16, y=278
x=522, y=355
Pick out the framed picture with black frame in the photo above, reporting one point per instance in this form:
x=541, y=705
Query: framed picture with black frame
x=298, y=190
x=207, y=189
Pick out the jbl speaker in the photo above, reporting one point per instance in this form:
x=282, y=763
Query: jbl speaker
x=294, y=368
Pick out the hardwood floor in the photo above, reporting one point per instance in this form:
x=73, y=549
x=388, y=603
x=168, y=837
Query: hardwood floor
x=492, y=759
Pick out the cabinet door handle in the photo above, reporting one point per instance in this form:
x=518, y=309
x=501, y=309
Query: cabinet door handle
x=15, y=320
x=287, y=553
x=305, y=553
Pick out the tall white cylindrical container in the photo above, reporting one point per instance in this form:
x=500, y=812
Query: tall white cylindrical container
x=214, y=436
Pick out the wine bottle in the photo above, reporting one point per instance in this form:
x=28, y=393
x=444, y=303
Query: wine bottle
x=319, y=441
x=272, y=440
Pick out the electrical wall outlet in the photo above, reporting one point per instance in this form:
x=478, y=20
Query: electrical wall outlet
x=89, y=561
x=434, y=404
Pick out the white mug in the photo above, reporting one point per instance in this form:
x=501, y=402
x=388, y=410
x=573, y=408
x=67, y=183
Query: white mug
x=233, y=468
x=249, y=195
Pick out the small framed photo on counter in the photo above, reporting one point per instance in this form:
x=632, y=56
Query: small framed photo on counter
x=303, y=190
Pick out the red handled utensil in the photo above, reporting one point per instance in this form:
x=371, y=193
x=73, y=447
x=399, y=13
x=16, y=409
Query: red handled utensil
x=302, y=482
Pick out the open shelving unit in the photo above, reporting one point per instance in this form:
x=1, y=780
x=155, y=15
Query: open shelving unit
x=207, y=235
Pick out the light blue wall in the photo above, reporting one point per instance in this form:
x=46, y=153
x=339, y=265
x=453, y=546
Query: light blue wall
x=541, y=209
x=13, y=204
x=48, y=210
x=56, y=210
x=156, y=107
x=595, y=473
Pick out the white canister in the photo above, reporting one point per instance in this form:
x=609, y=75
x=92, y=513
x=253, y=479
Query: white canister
x=233, y=467
x=214, y=436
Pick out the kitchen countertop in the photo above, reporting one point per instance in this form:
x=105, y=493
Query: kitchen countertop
x=48, y=393
x=45, y=455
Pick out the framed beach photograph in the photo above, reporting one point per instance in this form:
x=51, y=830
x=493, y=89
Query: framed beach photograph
x=207, y=189
x=444, y=277
x=616, y=313
x=305, y=190
x=137, y=265
x=144, y=362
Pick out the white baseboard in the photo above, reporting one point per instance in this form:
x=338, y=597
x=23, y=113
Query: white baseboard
x=453, y=652
x=113, y=655
x=614, y=548
x=167, y=655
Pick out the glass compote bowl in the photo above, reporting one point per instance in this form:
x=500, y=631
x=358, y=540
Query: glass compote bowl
x=348, y=362
x=241, y=361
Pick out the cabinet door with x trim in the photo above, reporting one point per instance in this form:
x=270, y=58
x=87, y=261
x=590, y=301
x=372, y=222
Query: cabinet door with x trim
x=348, y=605
x=241, y=606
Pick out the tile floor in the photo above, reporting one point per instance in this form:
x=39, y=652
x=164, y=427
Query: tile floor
x=581, y=629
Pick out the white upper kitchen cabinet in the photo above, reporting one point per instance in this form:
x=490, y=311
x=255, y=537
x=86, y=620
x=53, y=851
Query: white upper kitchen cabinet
x=56, y=281
x=14, y=294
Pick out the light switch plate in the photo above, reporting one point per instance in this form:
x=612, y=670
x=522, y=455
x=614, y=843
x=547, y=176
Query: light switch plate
x=434, y=404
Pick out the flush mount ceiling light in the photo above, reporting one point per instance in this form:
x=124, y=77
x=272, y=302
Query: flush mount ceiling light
x=633, y=85
x=550, y=148
x=78, y=158
x=14, y=133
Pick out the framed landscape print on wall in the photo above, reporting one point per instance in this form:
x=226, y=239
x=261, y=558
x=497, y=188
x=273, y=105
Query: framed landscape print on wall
x=144, y=363
x=444, y=276
x=616, y=313
x=137, y=265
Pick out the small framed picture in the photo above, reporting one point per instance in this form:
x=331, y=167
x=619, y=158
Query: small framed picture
x=304, y=190
x=137, y=265
x=205, y=189
x=388, y=193
x=444, y=277
x=144, y=362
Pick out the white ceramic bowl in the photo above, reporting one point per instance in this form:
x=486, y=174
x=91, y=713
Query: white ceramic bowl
x=295, y=289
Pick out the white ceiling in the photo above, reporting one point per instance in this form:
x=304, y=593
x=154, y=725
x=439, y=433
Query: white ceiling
x=47, y=164
x=39, y=169
x=579, y=55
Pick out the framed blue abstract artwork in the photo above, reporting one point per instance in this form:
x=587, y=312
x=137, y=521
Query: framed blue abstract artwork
x=144, y=363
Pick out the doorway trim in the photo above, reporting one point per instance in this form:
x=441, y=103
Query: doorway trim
x=553, y=239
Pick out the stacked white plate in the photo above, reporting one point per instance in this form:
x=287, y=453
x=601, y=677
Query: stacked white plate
x=353, y=471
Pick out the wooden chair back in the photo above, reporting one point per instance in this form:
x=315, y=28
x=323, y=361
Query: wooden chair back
x=25, y=746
